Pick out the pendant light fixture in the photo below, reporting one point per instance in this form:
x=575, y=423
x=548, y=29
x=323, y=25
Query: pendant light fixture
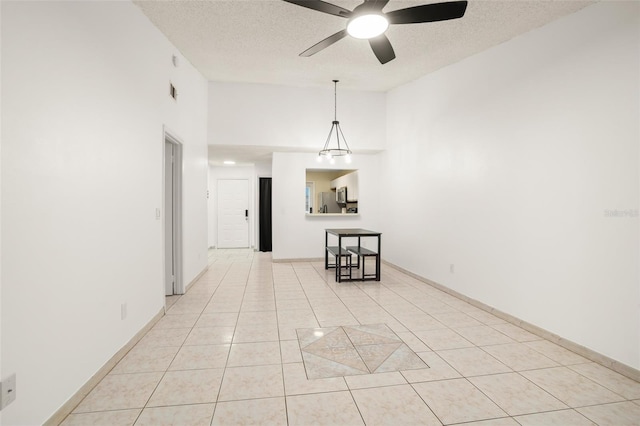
x=341, y=147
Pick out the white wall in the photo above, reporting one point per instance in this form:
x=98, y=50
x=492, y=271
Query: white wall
x=263, y=169
x=1, y=373
x=290, y=118
x=189, y=116
x=509, y=161
x=85, y=98
x=247, y=173
x=300, y=236
x=279, y=116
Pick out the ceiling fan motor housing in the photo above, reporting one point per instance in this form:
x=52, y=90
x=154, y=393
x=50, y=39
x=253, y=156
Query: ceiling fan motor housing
x=367, y=21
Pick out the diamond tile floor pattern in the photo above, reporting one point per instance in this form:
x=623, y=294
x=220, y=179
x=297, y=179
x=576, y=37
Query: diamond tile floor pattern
x=256, y=342
x=359, y=349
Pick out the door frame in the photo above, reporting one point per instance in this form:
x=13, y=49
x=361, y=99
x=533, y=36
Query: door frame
x=169, y=137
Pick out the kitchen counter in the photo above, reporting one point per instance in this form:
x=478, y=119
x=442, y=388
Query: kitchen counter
x=331, y=214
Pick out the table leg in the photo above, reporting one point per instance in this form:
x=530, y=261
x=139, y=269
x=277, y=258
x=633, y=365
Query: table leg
x=378, y=259
x=326, y=255
x=339, y=260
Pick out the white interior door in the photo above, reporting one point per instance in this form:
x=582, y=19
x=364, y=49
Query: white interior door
x=233, y=213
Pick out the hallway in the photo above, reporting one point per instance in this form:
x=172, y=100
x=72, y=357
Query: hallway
x=392, y=352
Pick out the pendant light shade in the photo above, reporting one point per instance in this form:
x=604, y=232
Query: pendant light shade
x=340, y=148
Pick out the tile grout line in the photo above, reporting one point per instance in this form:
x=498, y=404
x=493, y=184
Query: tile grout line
x=284, y=386
x=189, y=334
x=224, y=371
x=387, y=304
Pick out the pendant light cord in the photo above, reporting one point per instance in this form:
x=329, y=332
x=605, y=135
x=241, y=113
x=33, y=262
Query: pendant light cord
x=335, y=100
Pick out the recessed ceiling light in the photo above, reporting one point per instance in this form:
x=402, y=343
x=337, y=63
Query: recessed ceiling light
x=229, y=162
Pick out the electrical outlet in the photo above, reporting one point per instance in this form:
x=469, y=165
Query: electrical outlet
x=123, y=311
x=8, y=390
x=451, y=268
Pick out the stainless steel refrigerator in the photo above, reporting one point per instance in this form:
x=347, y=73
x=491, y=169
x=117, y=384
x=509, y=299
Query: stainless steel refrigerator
x=327, y=203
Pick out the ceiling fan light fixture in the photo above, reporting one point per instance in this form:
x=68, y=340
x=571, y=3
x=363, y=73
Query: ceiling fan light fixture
x=367, y=21
x=367, y=26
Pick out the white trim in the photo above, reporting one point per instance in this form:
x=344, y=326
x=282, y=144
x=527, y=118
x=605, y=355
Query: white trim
x=256, y=214
x=590, y=354
x=617, y=366
x=169, y=136
x=196, y=278
x=75, y=399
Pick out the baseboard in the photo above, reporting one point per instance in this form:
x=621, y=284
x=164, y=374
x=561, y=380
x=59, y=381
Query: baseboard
x=197, y=277
x=590, y=354
x=311, y=259
x=66, y=409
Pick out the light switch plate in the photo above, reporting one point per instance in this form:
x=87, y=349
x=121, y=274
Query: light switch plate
x=8, y=390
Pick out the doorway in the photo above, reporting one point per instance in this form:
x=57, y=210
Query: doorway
x=233, y=213
x=265, y=214
x=172, y=216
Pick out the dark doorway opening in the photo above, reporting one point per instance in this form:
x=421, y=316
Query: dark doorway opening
x=265, y=214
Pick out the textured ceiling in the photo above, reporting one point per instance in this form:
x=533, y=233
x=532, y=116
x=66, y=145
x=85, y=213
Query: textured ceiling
x=259, y=41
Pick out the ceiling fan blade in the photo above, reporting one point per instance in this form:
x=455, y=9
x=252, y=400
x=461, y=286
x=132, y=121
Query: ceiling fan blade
x=382, y=48
x=428, y=13
x=322, y=6
x=324, y=43
x=377, y=4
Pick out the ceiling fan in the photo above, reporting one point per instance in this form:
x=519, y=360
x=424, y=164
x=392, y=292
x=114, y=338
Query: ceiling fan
x=367, y=21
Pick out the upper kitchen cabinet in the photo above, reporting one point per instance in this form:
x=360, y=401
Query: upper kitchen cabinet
x=350, y=181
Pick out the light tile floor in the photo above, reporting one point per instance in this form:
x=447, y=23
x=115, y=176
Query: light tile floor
x=227, y=352
x=353, y=350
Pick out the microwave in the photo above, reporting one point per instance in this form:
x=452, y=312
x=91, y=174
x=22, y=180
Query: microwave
x=341, y=195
